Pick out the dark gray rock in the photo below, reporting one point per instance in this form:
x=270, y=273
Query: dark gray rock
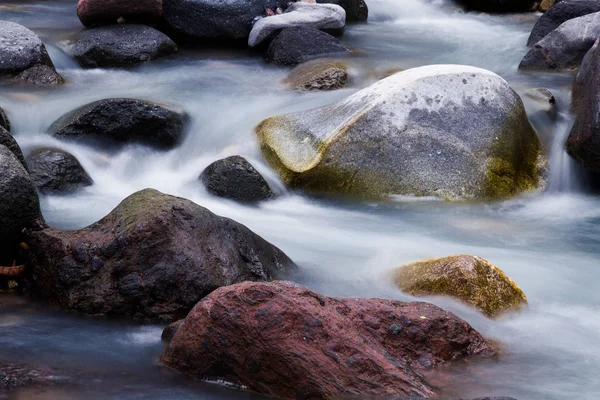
x=54, y=171
x=153, y=258
x=121, y=46
x=20, y=49
x=122, y=121
x=559, y=13
x=299, y=44
x=101, y=12
x=564, y=48
x=4, y=121
x=583, y=143
x=7, y=140
x=356, y=10
x=19, y=203
x=498, y=6
x=40, y=75
x=236, y=179
x=209, y=19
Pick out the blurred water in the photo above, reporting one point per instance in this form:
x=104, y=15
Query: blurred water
x=548, y=242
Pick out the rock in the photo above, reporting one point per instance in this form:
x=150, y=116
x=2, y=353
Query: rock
x=544, y=102
x=299, y=44
x=287, y=341
x=356, y=10
x=4, y=121
x=100, y=12
x=54, y=171
x=20, y=49
x=170, y=331
x=318, y=75
x=471, y=279
x=121, y=46
x=7, y=140
x=450, y=131
x=153, y=258
x=498, y=6
x=564, y=48
x=326, y=17
x=209, y=19
x=122, y=121
x=560, y=13
x=236, y=179
x=19, y=203
x=545, y=5
x=40, y=75
x=583, y=143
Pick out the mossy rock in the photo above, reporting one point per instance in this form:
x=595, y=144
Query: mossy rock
x=450, y=131
x=318, y=75
x=471, y=279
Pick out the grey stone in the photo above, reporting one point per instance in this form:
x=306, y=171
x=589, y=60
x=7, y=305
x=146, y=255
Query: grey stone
x=121, y=46
x=54, y=171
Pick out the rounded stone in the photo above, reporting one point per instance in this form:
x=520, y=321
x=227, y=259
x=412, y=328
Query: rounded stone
x=54, y=171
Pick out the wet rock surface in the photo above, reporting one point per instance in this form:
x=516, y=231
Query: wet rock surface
x=471, y=279
x=236, y=179
x=299, y=44
x=54, y=171
x=121, y=121
x=286, y=340
x=152, y=258
x=121, y=45
x=100, y=12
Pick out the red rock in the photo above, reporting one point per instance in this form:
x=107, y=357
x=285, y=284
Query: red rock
x=286, y=340
x=99, y=12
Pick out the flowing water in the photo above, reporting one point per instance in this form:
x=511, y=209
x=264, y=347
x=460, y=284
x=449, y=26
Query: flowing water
x=549, y=243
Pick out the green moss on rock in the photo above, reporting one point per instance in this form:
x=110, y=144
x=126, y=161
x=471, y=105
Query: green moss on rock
x=471, y=279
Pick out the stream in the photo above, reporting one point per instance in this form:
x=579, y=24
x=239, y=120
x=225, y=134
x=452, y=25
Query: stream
x=549, y=243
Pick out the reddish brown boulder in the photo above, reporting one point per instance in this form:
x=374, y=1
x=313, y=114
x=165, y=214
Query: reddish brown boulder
x=100, y=12
x=286, y=340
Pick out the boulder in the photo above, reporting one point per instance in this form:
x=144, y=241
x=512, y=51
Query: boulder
x=100, y=12
x=449, y=131
x=54, y=171
x=4, y=121
x=40, y=75
x=498, y=6
x=7, y=140
x=583, y=143
x=287, y=341
x=564, y=48
x=122, y=121
x=560, y=13
x=356, y=10
x=20, y=49
x=236, y=179
x=326, y=17
x=470, y=279
x=210, y=19
x=121, y=46
x=19, y=203
x=153, y=258
x=299, y=44
x=318, y=75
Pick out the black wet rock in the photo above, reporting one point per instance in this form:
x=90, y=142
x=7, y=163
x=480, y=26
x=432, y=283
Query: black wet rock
x=40, y=75
x=4, y=121
x=54, y=171
x=498, y=6
x=559, y=13
x=7, y=140
x=121, y=45
x=19, y=203
x=299, y=44
x=236, y=179
x=356, y=10
x=20, y=49
x=121, y=121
